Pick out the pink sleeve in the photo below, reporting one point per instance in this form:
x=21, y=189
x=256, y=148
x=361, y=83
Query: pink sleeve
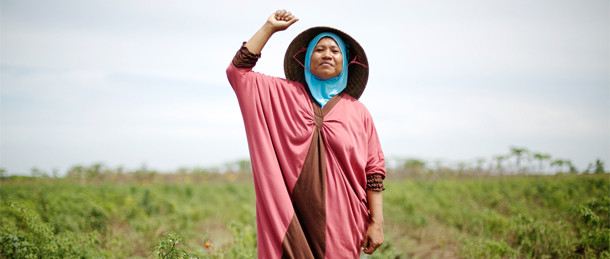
x=376, y=162
x=277, y=117
x=278, y=121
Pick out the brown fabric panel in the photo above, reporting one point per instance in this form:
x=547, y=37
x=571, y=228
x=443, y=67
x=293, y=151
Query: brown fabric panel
x=308, y=197
x=306, y=234
x=244, y=58
x=330, y=104
x=374, y=182
x=295, y=244
x=319, y=112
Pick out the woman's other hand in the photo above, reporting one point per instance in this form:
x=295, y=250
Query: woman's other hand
x=281, y=20
x=373, y=238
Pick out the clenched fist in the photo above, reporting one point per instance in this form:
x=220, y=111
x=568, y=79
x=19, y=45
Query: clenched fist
x=281, y=19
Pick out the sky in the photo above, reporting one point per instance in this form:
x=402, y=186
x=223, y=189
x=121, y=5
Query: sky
x=142, y=83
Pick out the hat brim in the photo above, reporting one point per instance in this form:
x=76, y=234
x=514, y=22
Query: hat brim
x=358, y=73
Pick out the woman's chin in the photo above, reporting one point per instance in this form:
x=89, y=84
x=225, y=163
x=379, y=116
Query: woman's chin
x=325, y=76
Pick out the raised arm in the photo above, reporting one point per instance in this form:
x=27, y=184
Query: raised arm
x=278, y=21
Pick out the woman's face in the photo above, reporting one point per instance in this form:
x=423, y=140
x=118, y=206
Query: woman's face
x=326, y=59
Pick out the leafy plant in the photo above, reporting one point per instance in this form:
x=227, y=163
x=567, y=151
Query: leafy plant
x=170, y=246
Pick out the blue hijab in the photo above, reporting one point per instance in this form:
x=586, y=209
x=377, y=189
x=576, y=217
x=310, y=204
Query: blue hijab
x=323, y=90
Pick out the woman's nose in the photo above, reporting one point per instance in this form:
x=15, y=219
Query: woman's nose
x=326, y=54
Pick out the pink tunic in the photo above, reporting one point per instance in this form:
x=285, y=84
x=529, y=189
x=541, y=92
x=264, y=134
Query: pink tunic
x=309, y=165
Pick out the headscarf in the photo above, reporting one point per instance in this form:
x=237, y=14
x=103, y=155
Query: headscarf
x=323, y=90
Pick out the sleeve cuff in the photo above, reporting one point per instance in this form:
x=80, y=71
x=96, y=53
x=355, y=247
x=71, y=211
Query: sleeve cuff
x=244, y=58
x=374, y=182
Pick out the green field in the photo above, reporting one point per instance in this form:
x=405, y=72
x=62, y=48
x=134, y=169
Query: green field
x=149, y=216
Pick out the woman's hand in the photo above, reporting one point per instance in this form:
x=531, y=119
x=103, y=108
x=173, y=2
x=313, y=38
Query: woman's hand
x=373, y=238
x=278, y=21
x=281, y=20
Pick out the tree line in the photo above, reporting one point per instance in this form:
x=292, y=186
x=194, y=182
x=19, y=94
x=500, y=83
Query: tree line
x=518, y=160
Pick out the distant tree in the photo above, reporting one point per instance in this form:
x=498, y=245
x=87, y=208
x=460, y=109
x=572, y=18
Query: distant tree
x=461, y=167
x=36, y=172
x=120, y=170
x=238, y=166
x=245, y=166
x=518, y=153
x=541, y=158
x=599, y=167
x=589, y=168
x=571, y=168
x=499, y=160
x=560, y=164
x=438, y=165
x=77, y=172
x=480, y=161
x=95, y=171
x=414, y=166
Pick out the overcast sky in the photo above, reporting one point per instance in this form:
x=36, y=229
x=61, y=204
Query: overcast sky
x=128, y=83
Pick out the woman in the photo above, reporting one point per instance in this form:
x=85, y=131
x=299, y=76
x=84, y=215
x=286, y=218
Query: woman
x=317, y=163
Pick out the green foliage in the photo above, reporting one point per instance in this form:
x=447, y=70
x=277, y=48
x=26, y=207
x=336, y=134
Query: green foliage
x=169, y=246
x=59, y=218
x=244, y=242
x=599, y=167
x=562, y=216
x=515, y=217
x=487, y=248
x=28, y=236
x=414, y=166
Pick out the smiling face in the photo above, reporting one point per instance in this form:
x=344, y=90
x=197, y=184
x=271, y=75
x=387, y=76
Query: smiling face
x=326, y=59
